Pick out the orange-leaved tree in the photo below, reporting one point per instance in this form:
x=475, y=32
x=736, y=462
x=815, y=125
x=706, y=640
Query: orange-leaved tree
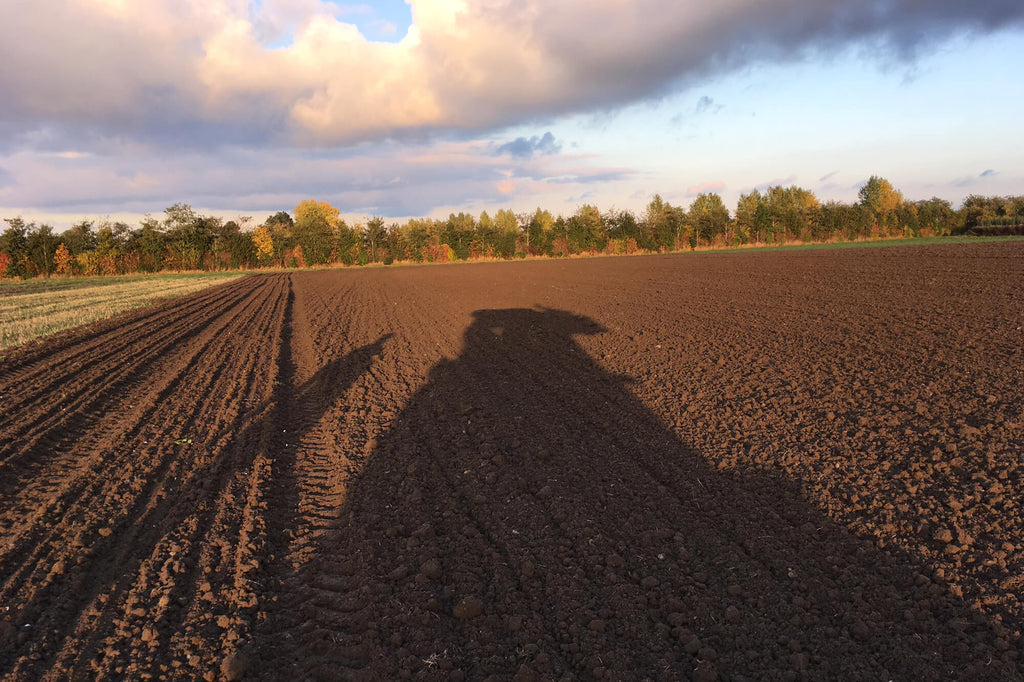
x=63, y=259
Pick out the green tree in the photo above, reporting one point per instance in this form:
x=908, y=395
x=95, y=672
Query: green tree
x=414, y=239
x=111, y=238
x=586, y=230
x=748, y=227
x=622, y=225
x=458, y=232
x=539, y=232
x=506, y=229
x=374, y=236
x=189, y=236
x=41, y=246
x=280, y=219
x=79, y=238
x=14, y=243
x=151, y=243
x=708, y=216
x=663, y=225
x=936, y=216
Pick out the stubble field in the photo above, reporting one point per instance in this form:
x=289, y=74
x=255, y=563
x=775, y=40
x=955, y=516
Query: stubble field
x=791, y=465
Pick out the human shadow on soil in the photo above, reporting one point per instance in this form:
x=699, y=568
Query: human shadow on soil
x=526, y=515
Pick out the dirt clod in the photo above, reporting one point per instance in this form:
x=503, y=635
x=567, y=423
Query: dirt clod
x=468, y=607
x=234, y=666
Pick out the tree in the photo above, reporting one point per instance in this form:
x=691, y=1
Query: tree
x=975, y=210
x=374, y=234
x=484, y=222
x=790, y=210
x=708, y=216
x=881, y=198
x=79, y=237
x=279, y=219
x=414, y=239
x=622, y=225
x=313, y=229
x=14, y=243
x=232, y=247
x=41, y=245
x=151, y=243
x=539, y=232
x=748, y=227
x=935, y=216
x=189, y=236
x=63, y=260
x=264, y=242
x=110, y=242
x=503, y=238
x=586, y=230
x=663, y=225
x=458, y=232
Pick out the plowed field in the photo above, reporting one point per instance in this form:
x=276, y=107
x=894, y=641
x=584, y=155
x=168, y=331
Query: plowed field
x=798, y=465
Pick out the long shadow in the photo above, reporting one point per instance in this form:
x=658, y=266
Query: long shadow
x=527, y=517
x=117, y=558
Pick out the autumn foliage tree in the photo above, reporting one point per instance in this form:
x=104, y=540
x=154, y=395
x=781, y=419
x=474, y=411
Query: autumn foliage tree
x=264, y=242
x=882, y=199
x=63, y=260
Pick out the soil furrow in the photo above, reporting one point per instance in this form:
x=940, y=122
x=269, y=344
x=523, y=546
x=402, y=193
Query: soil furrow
x=68, y=476
x=109, y=552
x=85, y=395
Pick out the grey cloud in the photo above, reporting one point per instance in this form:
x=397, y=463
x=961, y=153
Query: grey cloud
x=782, y=182
x=592, y=177
x=706, y=104
x=169, y=73
x=525, y=148
x=688, y=43
x=969, y=180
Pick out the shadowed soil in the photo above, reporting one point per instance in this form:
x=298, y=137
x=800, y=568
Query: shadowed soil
x=800, y=465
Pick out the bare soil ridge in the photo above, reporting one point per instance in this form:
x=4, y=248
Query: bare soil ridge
x=796, y=466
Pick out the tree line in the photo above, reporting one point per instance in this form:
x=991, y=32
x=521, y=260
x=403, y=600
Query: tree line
x=315, y=234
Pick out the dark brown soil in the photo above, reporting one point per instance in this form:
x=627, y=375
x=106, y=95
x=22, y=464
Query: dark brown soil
x=801, y=465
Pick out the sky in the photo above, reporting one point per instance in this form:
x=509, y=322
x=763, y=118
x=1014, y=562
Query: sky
x=120, y=108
